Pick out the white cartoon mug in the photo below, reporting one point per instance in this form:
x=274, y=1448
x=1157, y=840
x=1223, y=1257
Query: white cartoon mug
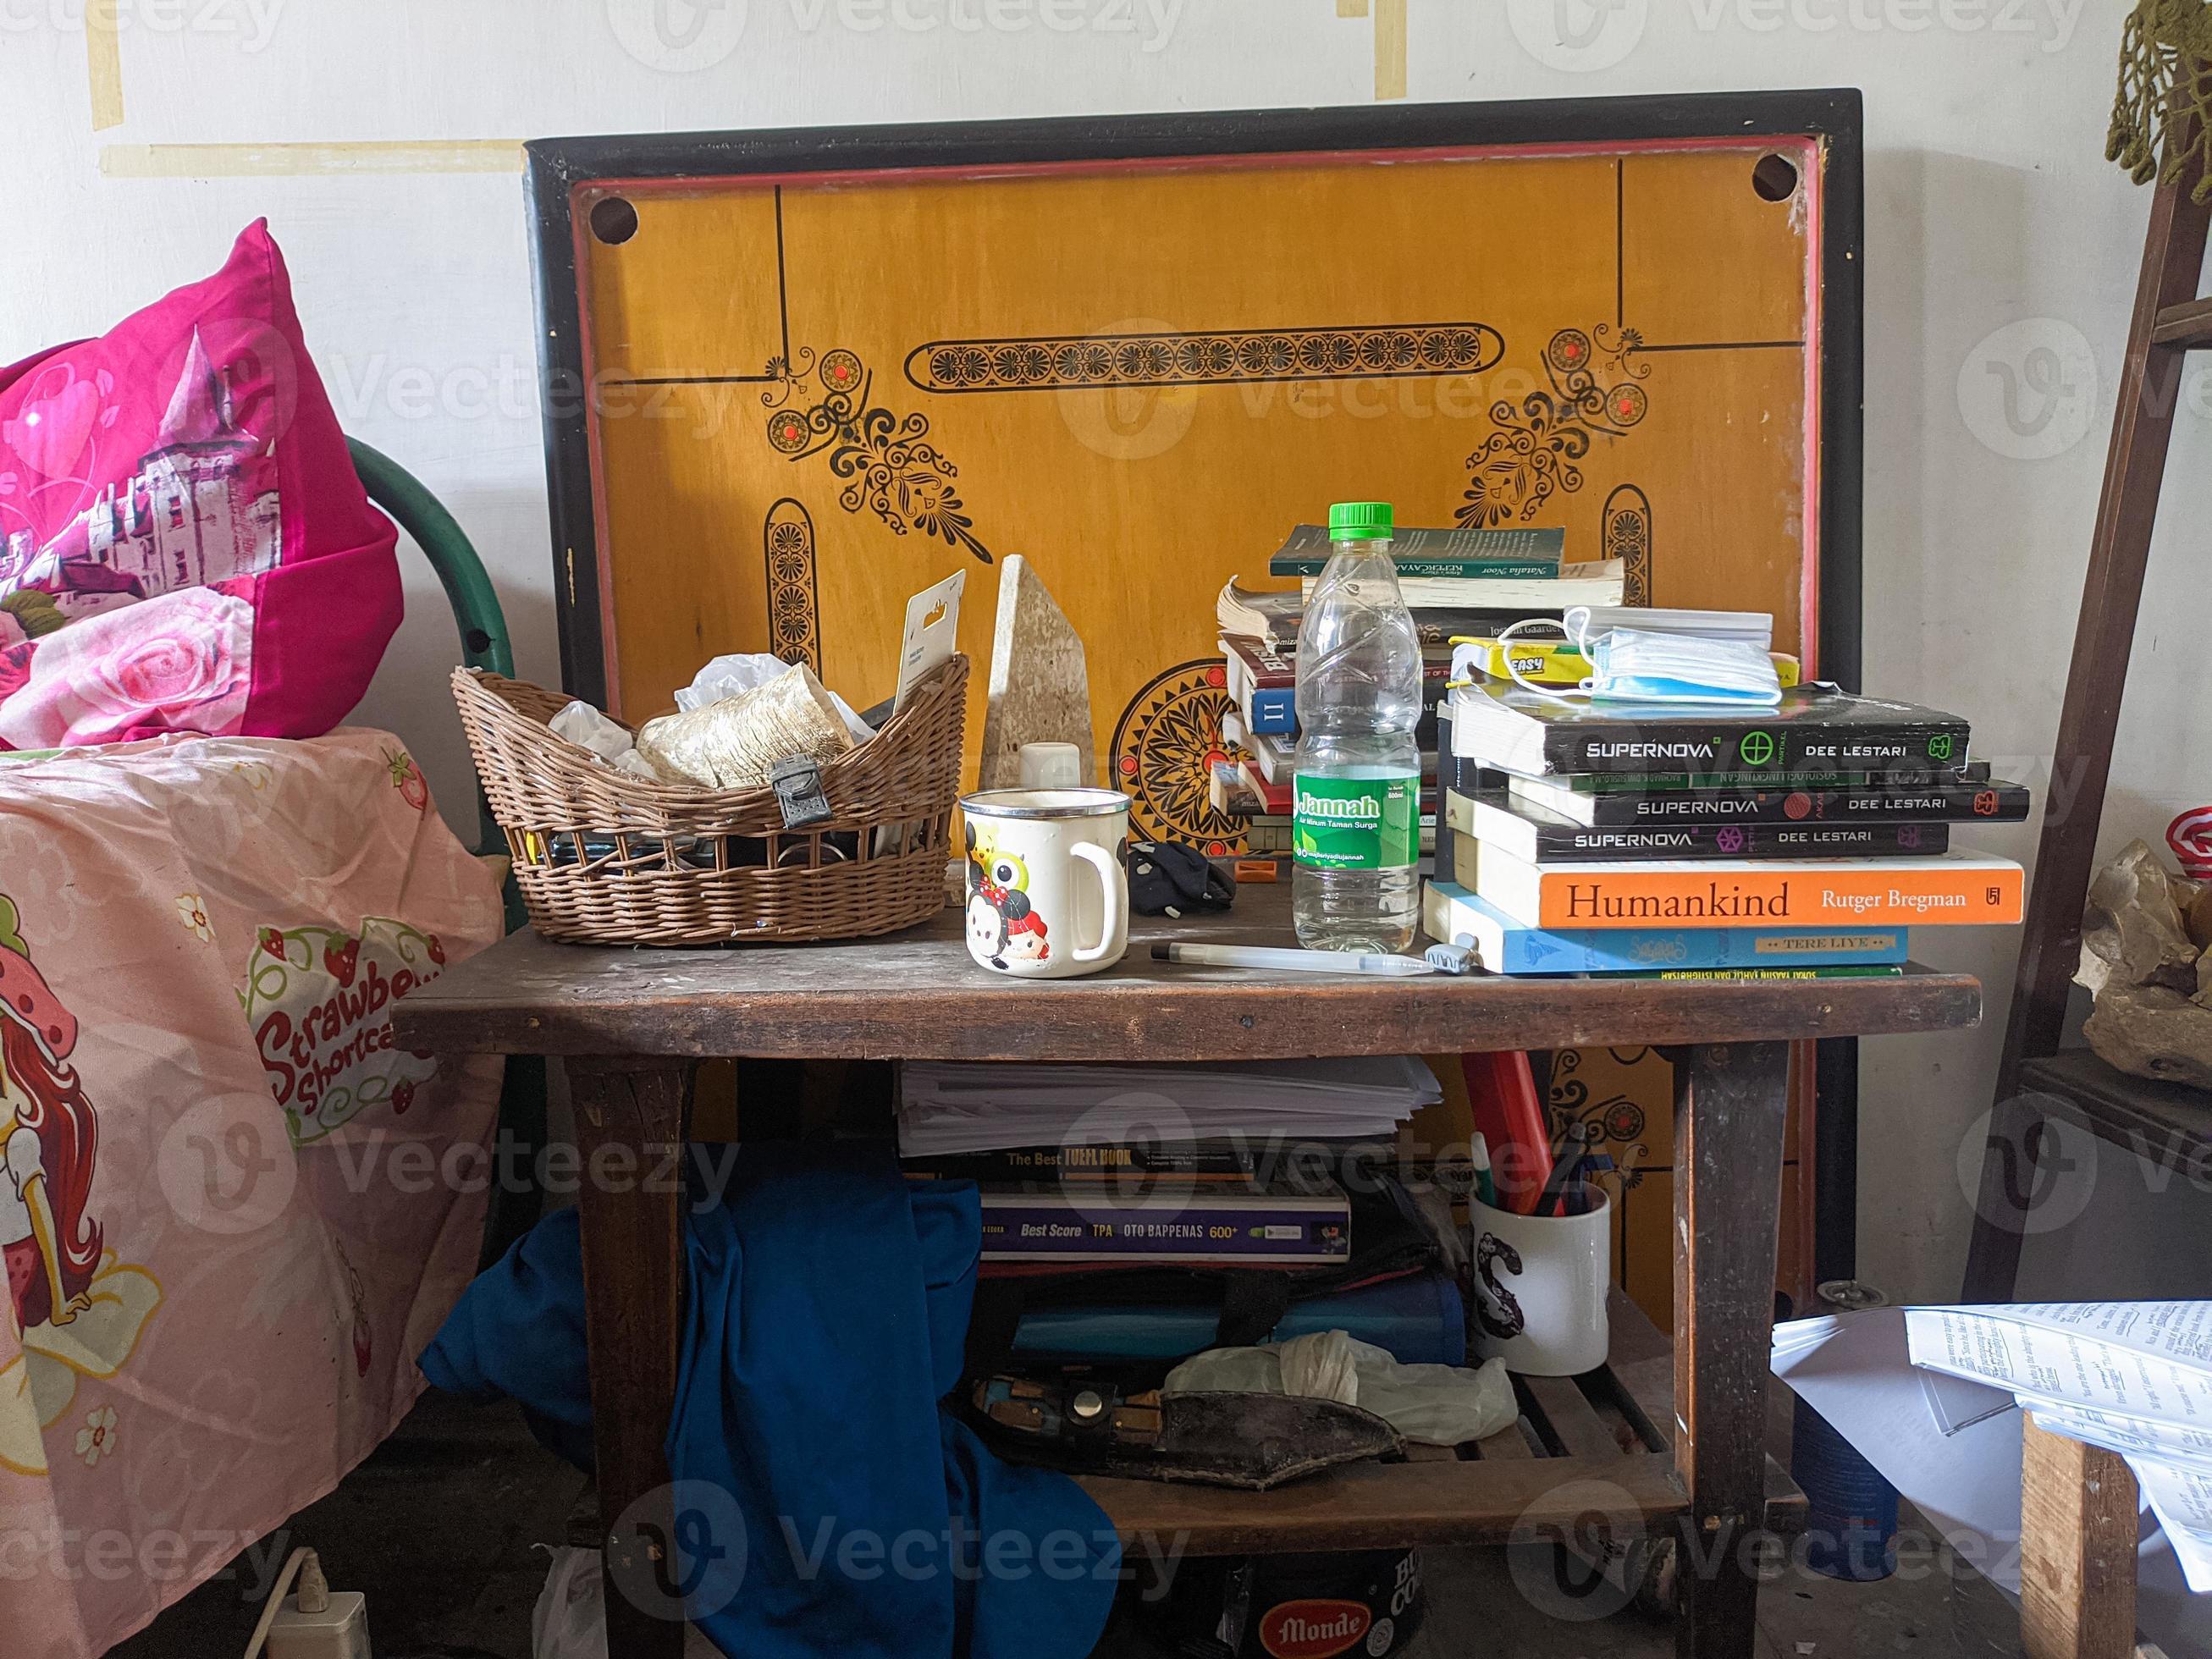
x=1047, y=898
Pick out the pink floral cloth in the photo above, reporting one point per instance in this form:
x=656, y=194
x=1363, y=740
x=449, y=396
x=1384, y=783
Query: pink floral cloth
x=232, y=1213
x=184, y=544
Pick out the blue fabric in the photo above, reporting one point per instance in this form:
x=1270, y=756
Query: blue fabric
x=826, y=1310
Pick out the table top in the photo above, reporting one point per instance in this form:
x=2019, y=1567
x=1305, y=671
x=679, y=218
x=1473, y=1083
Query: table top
x=917, y=996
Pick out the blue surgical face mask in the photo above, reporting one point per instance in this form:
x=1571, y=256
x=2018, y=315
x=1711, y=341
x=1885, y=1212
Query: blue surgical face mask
x=1628, y=663
x=1637, y=665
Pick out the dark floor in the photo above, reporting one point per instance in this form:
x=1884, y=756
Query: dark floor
x=445, y=1529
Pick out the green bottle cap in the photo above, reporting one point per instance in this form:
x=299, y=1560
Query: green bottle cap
x=1360, y=521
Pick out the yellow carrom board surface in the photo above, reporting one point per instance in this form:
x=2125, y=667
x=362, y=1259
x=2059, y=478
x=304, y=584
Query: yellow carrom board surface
x=813, y=393
x=794, y=378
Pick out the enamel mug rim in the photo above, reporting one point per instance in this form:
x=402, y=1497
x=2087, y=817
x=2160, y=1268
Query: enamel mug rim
x=1045, y=804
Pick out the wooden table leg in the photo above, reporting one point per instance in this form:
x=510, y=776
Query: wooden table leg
x=2077, y=1549
x=631, y=1119
x=1729, y=1105
x=2018, y=1127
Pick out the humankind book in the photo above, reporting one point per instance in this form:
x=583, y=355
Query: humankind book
x=1980, y=800
x=1535, y=835
x=1814, y=727
x=1450, y=912
x=1952, y=889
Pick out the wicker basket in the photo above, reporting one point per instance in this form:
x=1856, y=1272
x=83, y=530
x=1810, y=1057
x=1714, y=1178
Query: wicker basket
x=603, y=858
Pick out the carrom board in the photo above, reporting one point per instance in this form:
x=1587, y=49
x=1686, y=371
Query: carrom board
x=795, y=377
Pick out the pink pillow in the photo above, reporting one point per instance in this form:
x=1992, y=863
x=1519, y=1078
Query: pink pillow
x=184, y=545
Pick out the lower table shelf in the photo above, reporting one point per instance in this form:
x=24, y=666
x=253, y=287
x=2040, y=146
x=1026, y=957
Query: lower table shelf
x=1610, y=1426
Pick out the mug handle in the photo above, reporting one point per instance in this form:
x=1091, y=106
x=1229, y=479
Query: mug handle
x=1115, y=882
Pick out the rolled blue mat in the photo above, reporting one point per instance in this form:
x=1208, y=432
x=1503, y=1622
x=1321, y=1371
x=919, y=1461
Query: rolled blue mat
x=1851, y=1530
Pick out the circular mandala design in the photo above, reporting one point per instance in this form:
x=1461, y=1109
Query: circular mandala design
x=1569, y=350
x=1627, y=405
x=786, y=433
x=840, y=370
x=1165, y=745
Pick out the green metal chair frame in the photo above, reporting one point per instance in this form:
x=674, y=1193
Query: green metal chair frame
x=477, y=612
x=484, y=644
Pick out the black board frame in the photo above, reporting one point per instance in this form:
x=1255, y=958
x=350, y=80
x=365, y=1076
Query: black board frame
x=556, y=169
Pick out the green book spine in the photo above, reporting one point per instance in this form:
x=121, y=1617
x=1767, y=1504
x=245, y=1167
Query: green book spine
x=1839, y=970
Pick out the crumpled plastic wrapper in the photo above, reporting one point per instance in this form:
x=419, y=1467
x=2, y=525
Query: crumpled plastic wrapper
x=735, y=742
x=1434, y=1405
x=586, y=727
x=609, y=739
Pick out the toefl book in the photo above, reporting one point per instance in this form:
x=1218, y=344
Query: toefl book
x=1953, y=890
x=1205, y=1226
x=1971, y=798
x=1534, y=835
x=1447, y=554
x=1813, y=728
x=1451, y=912
x=1273, y=618
x=1603, y=583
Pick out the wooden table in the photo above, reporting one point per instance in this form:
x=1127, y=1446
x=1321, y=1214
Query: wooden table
x=631, y=1025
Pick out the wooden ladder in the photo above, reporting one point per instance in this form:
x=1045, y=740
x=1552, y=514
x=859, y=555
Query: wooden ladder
x=2169, y=322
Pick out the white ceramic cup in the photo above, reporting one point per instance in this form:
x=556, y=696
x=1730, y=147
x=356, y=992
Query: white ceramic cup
x=1047, y=898
x=1051, y=766
x=1540, y=1287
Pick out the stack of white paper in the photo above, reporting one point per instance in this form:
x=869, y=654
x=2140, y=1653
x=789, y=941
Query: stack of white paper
x=2134, y=1377
x=1931, y=1397
x=949, y=1107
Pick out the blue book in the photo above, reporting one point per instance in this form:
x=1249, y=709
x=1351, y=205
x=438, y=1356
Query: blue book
x=1273, y=710
x=1419, y=1318
x=1450, y=911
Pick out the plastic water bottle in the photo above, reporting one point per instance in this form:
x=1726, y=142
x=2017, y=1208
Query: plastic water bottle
x=1357, y=788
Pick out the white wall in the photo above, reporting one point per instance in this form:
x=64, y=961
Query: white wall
x=1998, y=243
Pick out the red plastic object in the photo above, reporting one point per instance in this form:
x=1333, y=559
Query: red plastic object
x=1502, y=1091
x=2189, y=835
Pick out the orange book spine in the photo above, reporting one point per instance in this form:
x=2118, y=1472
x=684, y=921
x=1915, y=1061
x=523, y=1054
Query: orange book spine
x=1803, y=895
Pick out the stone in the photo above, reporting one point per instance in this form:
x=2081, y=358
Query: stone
x=2147, y=1031
x=1040, y=688
x=2133, y=932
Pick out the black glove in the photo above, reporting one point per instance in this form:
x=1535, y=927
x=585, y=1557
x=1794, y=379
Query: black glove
x=1166, y=880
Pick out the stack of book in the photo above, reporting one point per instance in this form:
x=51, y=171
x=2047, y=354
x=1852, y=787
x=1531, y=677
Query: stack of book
x=1182, y=1164
x=1806, y=839
x=1454, y=582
